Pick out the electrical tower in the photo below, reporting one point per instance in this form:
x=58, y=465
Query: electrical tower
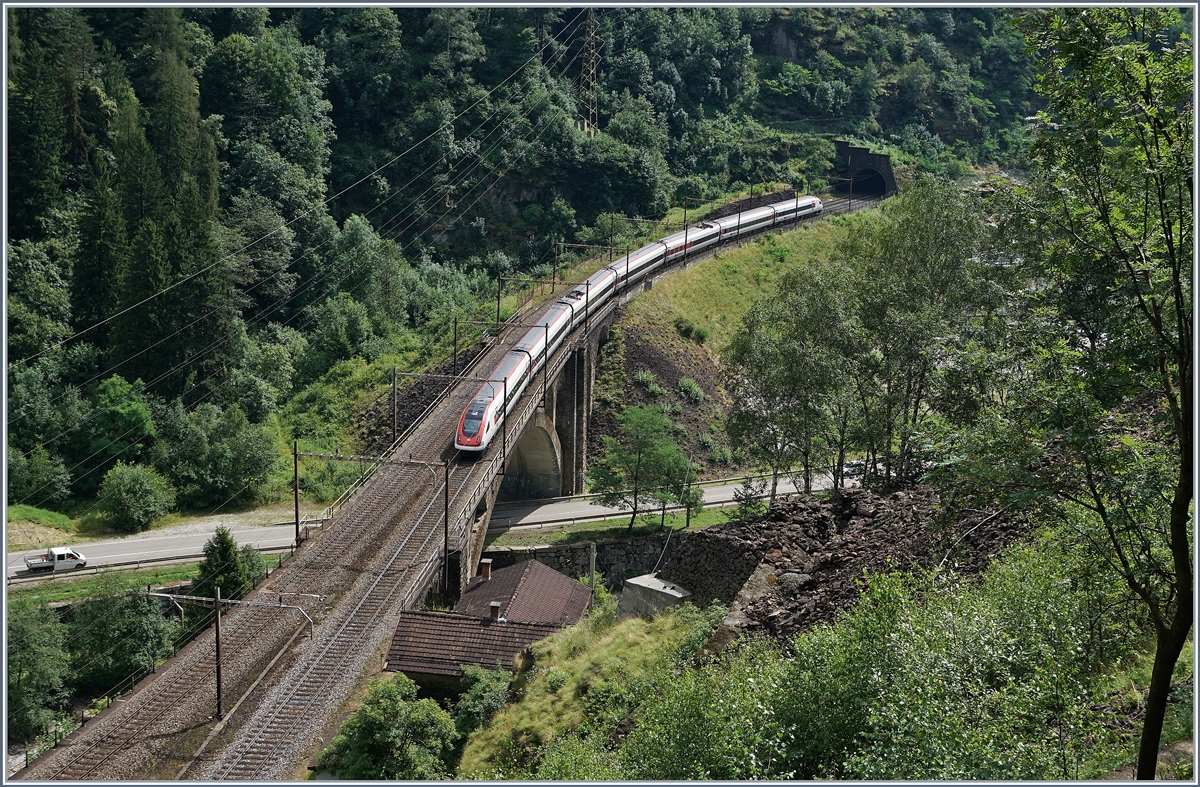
x=589, y=71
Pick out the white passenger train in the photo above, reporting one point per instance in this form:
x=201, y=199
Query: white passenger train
x=482, y=419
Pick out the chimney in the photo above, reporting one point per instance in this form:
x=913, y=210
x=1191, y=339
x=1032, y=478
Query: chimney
x=494, y=607
x=485, y=569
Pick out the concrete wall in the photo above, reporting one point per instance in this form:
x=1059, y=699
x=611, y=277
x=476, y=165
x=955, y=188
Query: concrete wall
x=617, y=560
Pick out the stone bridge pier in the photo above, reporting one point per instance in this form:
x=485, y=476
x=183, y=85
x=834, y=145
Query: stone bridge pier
x=549, y=457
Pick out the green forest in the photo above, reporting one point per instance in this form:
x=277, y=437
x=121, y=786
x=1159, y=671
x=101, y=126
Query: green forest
x=228, y=226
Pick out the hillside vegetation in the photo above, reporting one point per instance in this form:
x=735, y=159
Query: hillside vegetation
x=234, y=223
x=678, y=330
x=1026, y=349
x=927, y=677
x=585, y=680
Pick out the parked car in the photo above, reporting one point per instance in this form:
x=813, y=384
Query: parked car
x=56, y=559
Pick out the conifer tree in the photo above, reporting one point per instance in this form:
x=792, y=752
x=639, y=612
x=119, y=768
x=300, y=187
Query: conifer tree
x=103, y=254
x=140, y=179
x=146, y=272
x=36, y=128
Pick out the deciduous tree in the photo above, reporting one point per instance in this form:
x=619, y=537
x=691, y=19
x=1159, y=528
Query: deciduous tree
x=1114, y=207
x=392, y=736
x=116, y=637
x=37, y=665
x=134, y=496
x=642, y=461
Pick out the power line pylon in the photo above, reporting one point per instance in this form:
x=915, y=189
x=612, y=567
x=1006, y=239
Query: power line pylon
x=589, y=71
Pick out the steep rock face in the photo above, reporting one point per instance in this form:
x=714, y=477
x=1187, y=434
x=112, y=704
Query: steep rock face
x=816, y=555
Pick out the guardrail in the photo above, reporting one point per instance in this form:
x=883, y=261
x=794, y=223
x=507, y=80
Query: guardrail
x=545, y=501
x=575, y=520
x=136, y=564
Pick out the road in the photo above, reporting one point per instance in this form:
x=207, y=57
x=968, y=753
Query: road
x=161, y=545
x=187, y=541
x=534, y=514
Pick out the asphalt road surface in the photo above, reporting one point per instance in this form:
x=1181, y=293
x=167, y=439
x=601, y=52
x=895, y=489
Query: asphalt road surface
x=187, y=541
x=159, y=545
x=514, y=516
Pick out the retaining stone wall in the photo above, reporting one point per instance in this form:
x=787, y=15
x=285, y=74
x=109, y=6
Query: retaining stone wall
x=616, y=560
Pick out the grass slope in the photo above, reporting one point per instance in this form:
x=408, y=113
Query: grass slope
x=711, y=297
x=588, y=676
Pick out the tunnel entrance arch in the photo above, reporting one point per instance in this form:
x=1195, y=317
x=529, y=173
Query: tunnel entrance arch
x=863, y=173
x=862, y=184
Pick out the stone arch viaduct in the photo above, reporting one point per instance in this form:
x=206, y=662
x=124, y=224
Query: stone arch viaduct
x=417, y=518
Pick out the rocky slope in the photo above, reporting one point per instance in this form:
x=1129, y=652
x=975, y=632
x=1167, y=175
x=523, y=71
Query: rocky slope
x=813, y=555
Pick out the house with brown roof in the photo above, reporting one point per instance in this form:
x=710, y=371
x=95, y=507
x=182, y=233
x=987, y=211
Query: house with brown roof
x=499, y=616
x=528, y=592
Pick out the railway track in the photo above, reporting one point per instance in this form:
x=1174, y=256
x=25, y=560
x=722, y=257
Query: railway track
x=295, y=715
x=374, y=553
x=357, y=544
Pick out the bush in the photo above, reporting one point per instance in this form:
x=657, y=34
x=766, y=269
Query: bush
x=342, y=326
x=215, y=457
x=688, y=330
x=997, y=681
x=487, y=693
x=38, y=479
x=604, y=605
x=133, y=496
x=392, y=736
x=691, y=390
x=720, y=455
x=710, y=723
x=254, y=565
x=647, y=380
x=927, y=677
x=116, y=637
x=572, y=759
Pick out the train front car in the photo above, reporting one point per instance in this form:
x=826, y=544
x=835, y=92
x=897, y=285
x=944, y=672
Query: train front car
x=471, y=427
x=509, y=377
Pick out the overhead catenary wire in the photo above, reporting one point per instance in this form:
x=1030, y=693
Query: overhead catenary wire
x=204, y=351
x=269, y=278
x=306, y=213
x=221, y=505
x=485, y=190
x=207, y=394
x=183, y=364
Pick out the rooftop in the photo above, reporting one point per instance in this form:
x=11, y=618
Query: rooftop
x=528, y=592
x=437, y=643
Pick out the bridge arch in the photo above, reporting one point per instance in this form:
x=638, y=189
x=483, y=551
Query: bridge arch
x=535, y=464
